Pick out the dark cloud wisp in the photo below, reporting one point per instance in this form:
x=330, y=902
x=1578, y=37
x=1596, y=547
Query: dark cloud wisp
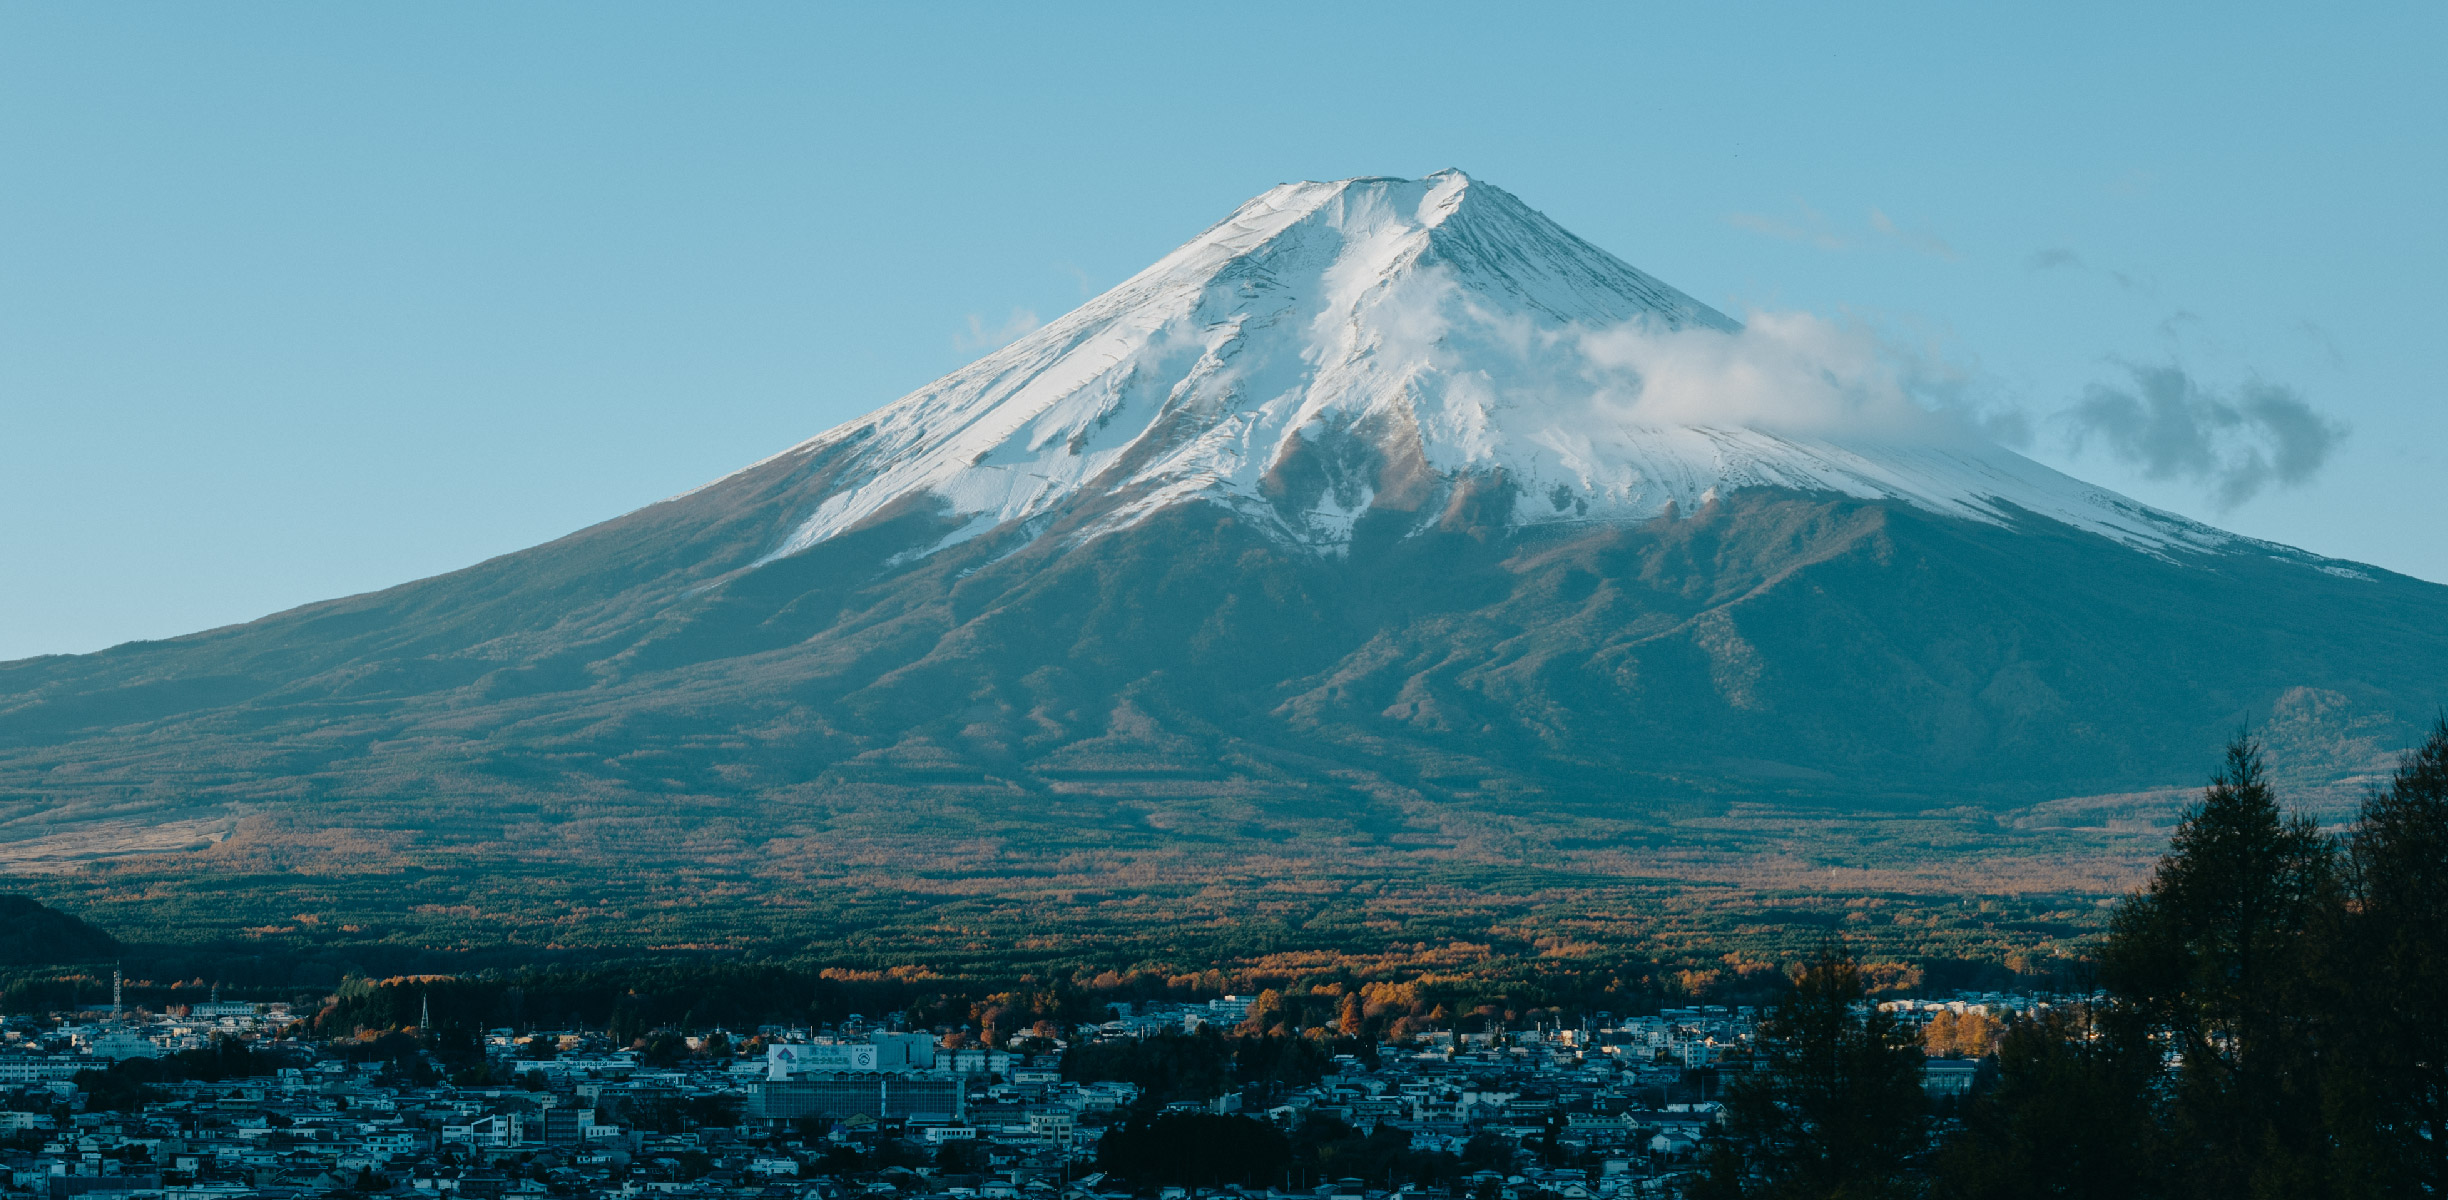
x=2234, y=443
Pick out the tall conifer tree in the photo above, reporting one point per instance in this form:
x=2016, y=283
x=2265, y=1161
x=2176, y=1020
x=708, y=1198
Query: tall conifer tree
x=2217, y=958
x=1839, y=1111
x=2391, y=1106
x=2070, y=1116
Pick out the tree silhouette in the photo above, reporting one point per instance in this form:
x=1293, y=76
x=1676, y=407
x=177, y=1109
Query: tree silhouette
x=1839, y=1110
x=2389, y=1100
x=2218, y=958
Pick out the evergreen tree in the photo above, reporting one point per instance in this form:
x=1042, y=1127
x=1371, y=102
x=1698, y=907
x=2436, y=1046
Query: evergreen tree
x=1839, y=1111
x=2217, y=958
x=2070, y=1115
x=626, y=1025
x=2389, y=1100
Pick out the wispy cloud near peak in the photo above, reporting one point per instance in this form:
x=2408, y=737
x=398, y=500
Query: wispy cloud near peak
x=1812, y=228
x=979, y=337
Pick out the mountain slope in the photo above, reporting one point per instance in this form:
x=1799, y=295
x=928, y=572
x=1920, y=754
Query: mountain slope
x=1383, y=515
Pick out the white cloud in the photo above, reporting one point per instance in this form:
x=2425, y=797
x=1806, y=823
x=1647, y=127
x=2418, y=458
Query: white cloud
x=1789, y=372
x=1812, y=228
x=1804, y=374
x=979, y=338
x=1914, y=239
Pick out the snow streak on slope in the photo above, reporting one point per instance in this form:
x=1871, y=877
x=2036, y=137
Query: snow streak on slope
x=1372, y=344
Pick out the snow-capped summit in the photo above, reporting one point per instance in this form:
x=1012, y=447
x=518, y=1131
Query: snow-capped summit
x=1331, y=349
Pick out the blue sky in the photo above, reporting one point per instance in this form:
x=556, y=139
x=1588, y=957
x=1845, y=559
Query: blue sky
x=298, y=301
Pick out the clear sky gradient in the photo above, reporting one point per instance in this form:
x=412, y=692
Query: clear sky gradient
x=304, y=300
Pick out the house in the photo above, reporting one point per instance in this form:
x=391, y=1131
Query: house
x=1949, y=1076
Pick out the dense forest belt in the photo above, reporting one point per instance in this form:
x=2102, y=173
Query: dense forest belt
x=1757, y=881
x=633, y=995
x=1442, y=920
x=1585, y=952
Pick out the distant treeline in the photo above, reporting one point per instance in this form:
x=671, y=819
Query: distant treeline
x=635, y=999
x=691, y=992
x=1321, y=1000
x=387, y=986
x=127, y=1085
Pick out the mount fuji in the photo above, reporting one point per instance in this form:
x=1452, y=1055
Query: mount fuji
x=1385, y=517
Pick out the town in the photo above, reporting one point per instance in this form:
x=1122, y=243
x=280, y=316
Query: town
x=1601, y=1106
